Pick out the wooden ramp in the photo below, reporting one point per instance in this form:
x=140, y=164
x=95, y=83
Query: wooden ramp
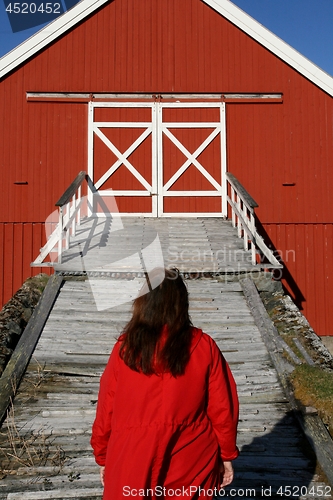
x=196, y=245
x=45, y=442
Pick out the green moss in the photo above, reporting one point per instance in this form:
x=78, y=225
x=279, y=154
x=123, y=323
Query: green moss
x=313, y=386
x=318, y=382
x=39, y=281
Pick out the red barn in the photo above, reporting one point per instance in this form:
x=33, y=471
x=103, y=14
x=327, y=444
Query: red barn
x=196, y=83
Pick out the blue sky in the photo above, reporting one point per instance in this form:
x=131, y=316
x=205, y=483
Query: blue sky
x=305, y=24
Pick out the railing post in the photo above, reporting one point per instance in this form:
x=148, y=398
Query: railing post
x=233, y=216
x=78, y=215
x=72, y=211
x=66, y=228
x=239, y=222
x=253, y=247
x=60, y=229
x=245, y=235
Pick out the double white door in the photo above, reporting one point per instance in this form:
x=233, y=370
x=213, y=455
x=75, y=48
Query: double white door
x=159, y=158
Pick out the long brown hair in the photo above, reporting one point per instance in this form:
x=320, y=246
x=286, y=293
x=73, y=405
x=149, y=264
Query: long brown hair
x=165, y=305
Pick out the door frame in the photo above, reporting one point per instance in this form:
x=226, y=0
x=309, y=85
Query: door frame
x=156, y=128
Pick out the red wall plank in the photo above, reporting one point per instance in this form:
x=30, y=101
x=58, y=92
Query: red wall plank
x=19, y=245
x=306, y=253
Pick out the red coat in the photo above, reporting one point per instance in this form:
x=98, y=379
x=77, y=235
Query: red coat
x=158, y=431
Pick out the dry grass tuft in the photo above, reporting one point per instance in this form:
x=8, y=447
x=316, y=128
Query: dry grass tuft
x=29, y=449
x=313, y=386
x=22, y=447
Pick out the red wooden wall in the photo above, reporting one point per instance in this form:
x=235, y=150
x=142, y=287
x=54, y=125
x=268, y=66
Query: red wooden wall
x=154, y=46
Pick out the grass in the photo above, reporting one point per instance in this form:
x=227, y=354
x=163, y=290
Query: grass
x=313, y=386
x=23, y=447
x=28, y=449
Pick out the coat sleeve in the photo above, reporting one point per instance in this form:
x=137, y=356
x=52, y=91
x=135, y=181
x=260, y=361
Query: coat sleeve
x=101, y=429
x=223, y=407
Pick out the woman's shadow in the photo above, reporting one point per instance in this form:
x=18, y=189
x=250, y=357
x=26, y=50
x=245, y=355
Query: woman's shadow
x=278, y=464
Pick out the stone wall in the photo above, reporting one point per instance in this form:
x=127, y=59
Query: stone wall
x=289, y=320
x=15, y=315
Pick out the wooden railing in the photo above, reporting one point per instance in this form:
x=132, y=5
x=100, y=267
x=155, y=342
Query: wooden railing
x=69, y=217
x=243, y=217
x=69, y=205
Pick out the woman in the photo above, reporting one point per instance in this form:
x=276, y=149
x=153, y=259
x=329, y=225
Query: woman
x=167, y=409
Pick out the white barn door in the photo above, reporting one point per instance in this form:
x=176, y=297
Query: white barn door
x=122, y=159
x=159, y=158
x=192, y=159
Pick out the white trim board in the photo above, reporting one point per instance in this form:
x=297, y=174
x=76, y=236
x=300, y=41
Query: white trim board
x=273, y=43
x=224, y=7
x=48, y=34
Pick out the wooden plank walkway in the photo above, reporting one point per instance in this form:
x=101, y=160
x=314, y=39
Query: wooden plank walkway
x=49, y=430
x=192, y=245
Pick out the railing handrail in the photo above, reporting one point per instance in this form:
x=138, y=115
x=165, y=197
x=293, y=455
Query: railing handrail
x=70, y=203
x=246, y=197
x=69, y=217
x=71, y=190
x=243, y=217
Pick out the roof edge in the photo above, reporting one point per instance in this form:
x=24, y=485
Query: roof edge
x=273, y=43
x=47, y=34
